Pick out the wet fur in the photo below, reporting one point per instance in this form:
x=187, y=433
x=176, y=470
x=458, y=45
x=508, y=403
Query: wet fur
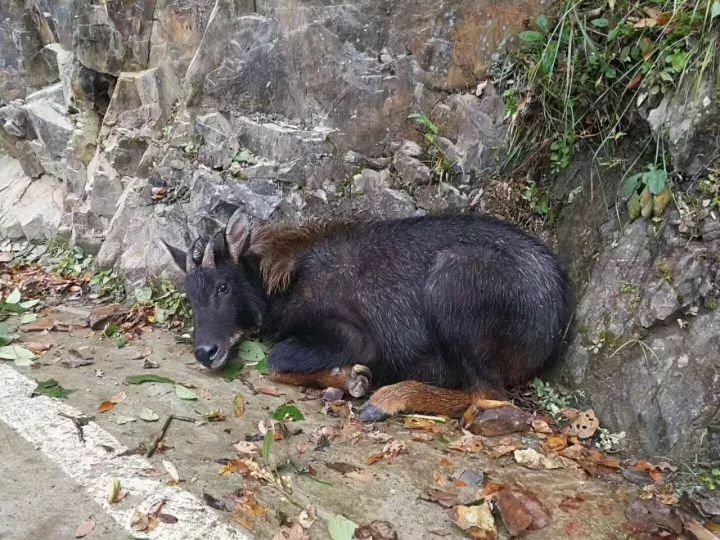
x=464, y=302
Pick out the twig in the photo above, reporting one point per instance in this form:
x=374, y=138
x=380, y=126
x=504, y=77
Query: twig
x=79, y=422
x=164, y=429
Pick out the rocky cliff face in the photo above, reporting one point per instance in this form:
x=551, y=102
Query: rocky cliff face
x=127, y=121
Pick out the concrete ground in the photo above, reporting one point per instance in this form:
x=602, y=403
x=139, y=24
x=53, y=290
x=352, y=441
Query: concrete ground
x=50, y=482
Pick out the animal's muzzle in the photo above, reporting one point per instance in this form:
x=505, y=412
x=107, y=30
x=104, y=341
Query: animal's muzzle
x=205, y=354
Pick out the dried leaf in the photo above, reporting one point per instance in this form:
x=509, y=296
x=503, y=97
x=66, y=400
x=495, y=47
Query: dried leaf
x=477, y=521
x=270, y=391
x=185, y=393
x=245, y=447
x=532, y=459
x=584, y=425
x=85, y=528
x=148, y=415
x=106, y=406
x=38, y=348
x=118, y=398
x=468, y=444
x=239, y=405
x=172, y=471
x=376, y=530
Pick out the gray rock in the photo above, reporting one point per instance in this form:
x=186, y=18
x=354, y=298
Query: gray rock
x=369, y=180
x=141, y=100
x=52, y=127
x=39, y=210
x=688, y=121
x=13, y=184
x=410, y=148
x=411, y=170
x=97, y=44
x=103, y=187
x=219, y=142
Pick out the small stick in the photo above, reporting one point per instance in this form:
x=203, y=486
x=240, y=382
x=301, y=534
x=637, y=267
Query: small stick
x=79, y=423
x=164, y=429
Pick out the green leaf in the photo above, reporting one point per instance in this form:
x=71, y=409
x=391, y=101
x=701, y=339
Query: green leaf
x=28, y=318
x=111, y=330
x=679, y=61
x=543, y=22
x=630, y=186
x=262, y=367
x=531, y=36
x=251, y=351
x=143, y=295
x=184, y=393
x=6, y=337
x=148, y=415
x=602, y=22
x=121, y=341
x=715, y=9
x=20, y=355
x=232, y=371
x=341, y=528
x=14, y=297
x=288, y=412
x=655, y=180
x=267, y=445
x=50, y=388
x=140, y=379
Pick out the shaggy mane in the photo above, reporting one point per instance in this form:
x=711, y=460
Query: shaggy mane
x=280, y=246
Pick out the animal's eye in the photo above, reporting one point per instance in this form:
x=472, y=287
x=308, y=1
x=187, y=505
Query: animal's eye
x=223, y=288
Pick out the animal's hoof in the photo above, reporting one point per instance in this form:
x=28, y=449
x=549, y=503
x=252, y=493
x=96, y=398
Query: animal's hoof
x=371, y=413
x=358, y=385
x=359, y=369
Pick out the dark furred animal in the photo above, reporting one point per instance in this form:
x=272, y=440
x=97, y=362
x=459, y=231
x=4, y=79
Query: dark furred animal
x=448, y=308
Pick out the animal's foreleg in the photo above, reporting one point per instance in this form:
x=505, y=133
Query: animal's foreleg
x=417, y=397
x=354, y=380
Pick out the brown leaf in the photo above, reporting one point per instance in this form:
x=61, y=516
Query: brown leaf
x=139, y=521
x=341, y=467
x=394, y=448
x=168, y=518
x=476, y=521
x=532, y=459
x=118, y=398
x=374, y=458
x=577, y=452
x=246, y=447
x=556, y=443
x=376, y=530
x=504, y=447
x=106, y=406
x=468, y=444
x=239, y=404
x=40, y=326
x=423, y=424
x=651, y=517
x=37, y=348
x=443, y=498
x=270, y=391
x=85, y=528
x=584, y=425
x=235, y=466
x=422, y=437
x=541, y=426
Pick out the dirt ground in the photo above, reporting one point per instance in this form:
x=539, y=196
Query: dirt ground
x=323, y=460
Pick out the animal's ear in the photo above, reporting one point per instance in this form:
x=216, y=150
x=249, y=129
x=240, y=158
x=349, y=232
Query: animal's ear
x=179, y=257
x=237, y=235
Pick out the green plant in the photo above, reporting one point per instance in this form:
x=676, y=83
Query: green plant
x=539, y=201
x=435, y=155
x=553, y=400
x=709, y=189
x=69, y=262
x=711, y=480
x=647, y=193
x=191, y=148
x=107, y=283
x=170, y=305
x=245, y=157
x=609, y=442
x=581, y=72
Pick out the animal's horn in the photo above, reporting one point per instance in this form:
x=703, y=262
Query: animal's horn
x=193, y=257
x=208, y=260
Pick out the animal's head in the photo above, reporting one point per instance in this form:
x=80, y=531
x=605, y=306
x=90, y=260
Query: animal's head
x=224, y=288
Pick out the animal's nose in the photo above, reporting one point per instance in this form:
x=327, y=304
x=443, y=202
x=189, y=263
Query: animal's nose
x=205, y=354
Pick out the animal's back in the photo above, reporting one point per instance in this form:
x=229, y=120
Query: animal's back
x=439, y=295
